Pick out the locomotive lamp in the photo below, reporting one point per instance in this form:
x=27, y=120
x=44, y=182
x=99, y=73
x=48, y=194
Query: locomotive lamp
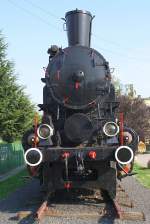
x=44, y=131
x=111, y=129
x=65, y=155
x=92, y=155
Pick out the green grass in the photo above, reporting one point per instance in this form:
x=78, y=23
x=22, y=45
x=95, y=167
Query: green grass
x=12, y=183
x=143, y=175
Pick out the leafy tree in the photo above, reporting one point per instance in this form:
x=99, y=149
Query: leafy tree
x=130, y=91
x=118, y=86
x=136, y=112
x=16, y=110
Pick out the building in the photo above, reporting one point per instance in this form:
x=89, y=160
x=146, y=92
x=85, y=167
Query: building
x=147, y=101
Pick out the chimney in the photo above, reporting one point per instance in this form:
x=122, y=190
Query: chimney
x=78, y=25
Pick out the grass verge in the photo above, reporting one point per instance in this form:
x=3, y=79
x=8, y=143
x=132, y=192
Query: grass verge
x=143, y=175
x=12, y=183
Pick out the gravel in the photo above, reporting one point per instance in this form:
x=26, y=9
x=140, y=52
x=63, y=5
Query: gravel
x=19, y=201
x=140, y=195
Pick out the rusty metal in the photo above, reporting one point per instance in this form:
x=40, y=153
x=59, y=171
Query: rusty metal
x=117, y=208
x=43, y=208
x=128, y=215
x=121, y=129
x=23, y=214
x=41, y=211
x=121, y=201
x=35, y=129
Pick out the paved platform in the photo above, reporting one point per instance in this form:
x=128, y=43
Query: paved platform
x=11, y=173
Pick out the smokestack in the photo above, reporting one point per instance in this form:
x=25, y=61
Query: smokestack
x=78, y=25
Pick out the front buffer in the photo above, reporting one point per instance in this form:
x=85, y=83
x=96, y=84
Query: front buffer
x=89, y=167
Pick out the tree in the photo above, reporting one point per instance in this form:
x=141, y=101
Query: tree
x=118, y=86
x=136, y=112
x=16, y=110
x=130, y=91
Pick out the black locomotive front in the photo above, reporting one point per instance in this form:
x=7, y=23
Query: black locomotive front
x=78, y=140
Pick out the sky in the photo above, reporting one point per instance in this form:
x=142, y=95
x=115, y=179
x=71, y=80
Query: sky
x=120, y=32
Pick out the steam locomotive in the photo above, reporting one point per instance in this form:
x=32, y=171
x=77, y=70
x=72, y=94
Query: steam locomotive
x=80, y=142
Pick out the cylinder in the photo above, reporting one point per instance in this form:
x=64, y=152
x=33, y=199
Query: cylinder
x=78, y=25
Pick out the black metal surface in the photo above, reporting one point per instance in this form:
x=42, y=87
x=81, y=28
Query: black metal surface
x=106, y=177
x=78, y=128
x=75, y=80
x=74, y=176
x=52, y=154
x=78, y=24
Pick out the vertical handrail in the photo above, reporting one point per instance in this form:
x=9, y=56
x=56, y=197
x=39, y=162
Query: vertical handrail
x=121, y=128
